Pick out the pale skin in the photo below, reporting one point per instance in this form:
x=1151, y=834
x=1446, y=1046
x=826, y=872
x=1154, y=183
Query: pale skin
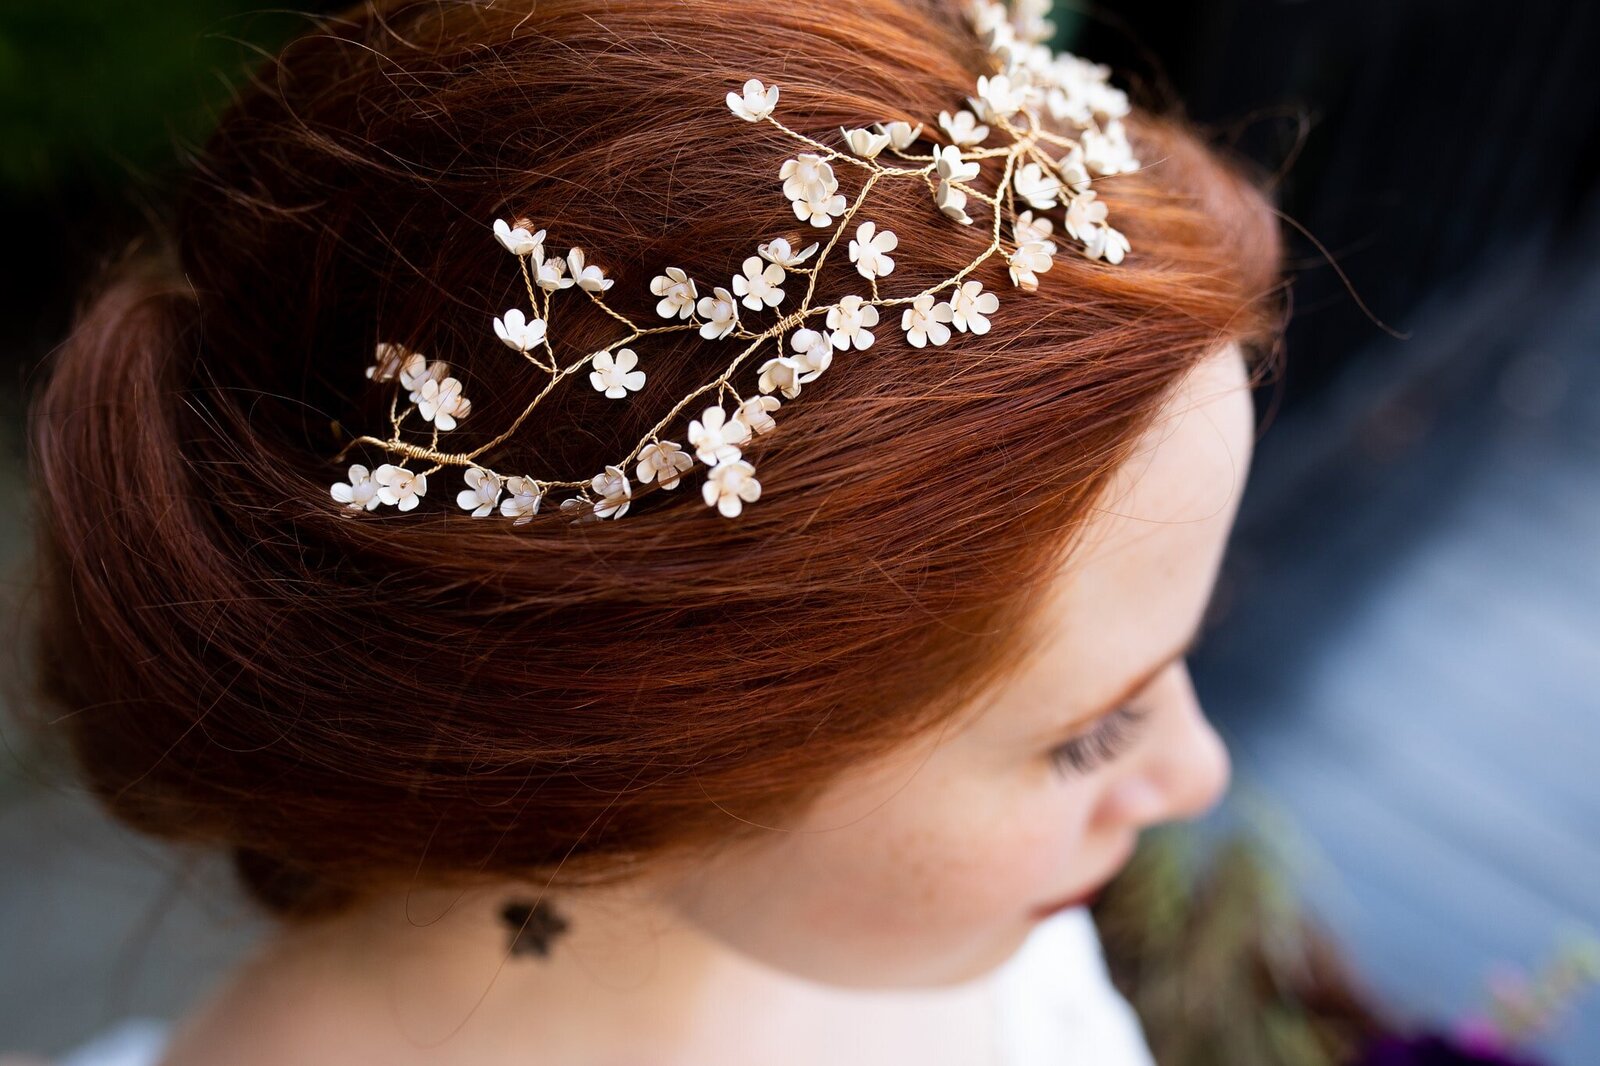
x=861, y=932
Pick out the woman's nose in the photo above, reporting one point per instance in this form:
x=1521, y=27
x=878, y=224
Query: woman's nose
x=1183, y=772
x=1199, y=773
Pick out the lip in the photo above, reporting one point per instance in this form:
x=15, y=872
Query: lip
x=1080, y=900
x=1088, y=895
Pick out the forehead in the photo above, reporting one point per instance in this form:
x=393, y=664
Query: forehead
x=1136, y=585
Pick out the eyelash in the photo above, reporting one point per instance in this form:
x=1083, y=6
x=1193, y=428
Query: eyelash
x=1104, y=742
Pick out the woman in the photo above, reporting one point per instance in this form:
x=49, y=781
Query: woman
x=814, y=761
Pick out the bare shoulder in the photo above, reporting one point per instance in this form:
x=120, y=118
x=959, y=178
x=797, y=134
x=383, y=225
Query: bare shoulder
x=265, y=1013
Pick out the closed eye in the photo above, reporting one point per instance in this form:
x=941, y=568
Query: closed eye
x=1101, y=743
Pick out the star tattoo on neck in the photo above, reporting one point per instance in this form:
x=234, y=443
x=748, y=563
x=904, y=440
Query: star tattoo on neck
x=533, y=926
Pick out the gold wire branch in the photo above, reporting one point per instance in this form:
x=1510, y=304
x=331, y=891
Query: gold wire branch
x=1023, y=76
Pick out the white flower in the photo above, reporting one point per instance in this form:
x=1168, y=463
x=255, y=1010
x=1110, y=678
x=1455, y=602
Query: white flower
x=865, y=143
x=519, y=332
x=924, y=321
x=1106, y=150
x=729, y=486
x=949, y=165
x=778, y=251
x=849, y=321
x=720, y=312
x=615, y=376
x=576, y=506
x=1000, y=95
x=968, y=306
x=782, y=374
x=990, y=20
x=417, y=371
x=1106, y=101
x=360, y=493
x=1036, y=185
x=1084, y=213
x=397, y=485
x=664, y=461
x=1069, y=105
x=1106, y=243
x=756, y=412
x=963, y=127
x=808, y=176
x=517, y=240
x=869, y=251
x=1028, y=228
x=759, y=287
x=441, y=402
x=615, y=493
x=523, y=501
x=756, y=103
x=808, y=181
x=814, y=351
x=1074, y=172
x=588, y=277
x=901, y=134
x=1028, y=260
x=1086, y=82
x=1031, y=23
x=482, y=490
x=550, y=274
x=1086, y=220
x=387, y=361
x=820, y=212
x=953, y=202
x=677, y=293
x=716, y=437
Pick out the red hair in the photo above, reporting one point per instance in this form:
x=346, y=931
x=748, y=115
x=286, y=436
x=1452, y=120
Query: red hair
x=348, y=704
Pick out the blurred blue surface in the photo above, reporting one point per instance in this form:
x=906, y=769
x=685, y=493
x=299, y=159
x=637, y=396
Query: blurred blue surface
x=1410, y=663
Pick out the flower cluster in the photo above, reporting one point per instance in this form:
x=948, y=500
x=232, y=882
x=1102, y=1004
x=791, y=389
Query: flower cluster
x=1043, y=169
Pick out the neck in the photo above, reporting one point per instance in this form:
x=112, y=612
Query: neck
x=602, y=975
x=450, y=963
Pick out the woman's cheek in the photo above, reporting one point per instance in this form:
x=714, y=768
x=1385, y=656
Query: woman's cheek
x=1035, y=844
x=1012, y=854
x=936, y=869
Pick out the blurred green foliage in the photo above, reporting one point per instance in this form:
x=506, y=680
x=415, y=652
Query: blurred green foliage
x=98, y=93
x=1206, y=936
x=101, y=92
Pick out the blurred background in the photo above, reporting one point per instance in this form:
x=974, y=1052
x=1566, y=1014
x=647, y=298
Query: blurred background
x=1405, y=654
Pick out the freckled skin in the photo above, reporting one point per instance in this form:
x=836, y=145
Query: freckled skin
x=922, y=870
x=855, y=934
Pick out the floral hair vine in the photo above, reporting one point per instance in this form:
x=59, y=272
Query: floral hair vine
x=1027, y=77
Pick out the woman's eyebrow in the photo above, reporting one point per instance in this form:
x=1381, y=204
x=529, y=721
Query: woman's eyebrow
x=1135, y=686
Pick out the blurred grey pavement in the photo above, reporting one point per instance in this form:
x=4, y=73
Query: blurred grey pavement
x=96, y=924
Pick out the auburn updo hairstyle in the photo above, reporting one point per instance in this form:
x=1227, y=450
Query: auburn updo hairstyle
x=351, y=701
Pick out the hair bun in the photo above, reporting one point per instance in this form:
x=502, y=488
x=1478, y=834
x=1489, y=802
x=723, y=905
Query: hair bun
x=110, y=484
x=286, y=887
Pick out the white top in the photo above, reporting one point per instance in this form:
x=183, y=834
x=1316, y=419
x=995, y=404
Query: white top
x=1054, y=999
x=1057, y=1005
